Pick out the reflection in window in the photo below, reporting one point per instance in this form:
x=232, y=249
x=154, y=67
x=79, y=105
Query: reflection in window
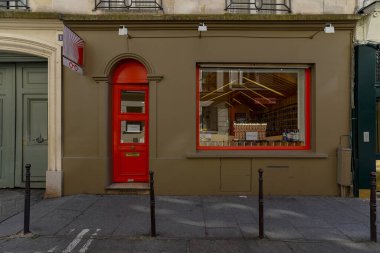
x=132, y=102
x=132, y=132
x=378, y=126
x=378, y=66
x=251, y=107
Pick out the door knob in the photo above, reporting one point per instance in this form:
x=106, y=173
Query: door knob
x=39, y=139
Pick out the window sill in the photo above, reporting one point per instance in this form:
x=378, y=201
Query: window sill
x=255, y=154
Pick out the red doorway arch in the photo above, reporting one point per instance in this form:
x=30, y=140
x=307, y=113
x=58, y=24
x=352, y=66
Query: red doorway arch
x=130, y=122
x=130, y=71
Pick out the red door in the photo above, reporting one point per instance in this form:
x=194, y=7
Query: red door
x=130, y=132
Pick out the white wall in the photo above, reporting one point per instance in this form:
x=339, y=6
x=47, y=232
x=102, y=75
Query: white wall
x=202, y=6
x=324, y=6
x=368, y=28
x=63, y=6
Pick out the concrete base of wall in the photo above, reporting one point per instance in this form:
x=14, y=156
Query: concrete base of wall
x=53, y=184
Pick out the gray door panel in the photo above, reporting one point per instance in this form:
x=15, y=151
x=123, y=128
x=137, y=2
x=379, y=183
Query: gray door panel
x=7, y=124
x=35, y=135
x=31, y=123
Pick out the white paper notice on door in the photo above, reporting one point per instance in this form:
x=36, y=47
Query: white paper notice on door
x=133, y=128
x=251, y=136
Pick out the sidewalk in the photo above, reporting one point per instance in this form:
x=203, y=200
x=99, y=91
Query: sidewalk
x=88, y=223
x=12, y=201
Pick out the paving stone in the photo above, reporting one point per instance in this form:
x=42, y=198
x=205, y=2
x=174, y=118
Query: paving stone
x=325, y=247
x=51, y=224
x=355, y=231
x=12, y=201
x=373, y=247
x=12, y=226
x=267, y=246
x=172, y=229
x=160, y=245
x=324, y=234
x=249, y=230
x=134, y=226
x=36, y=244
x=309, y=222
x=233, y=232
x=281, y=232
x=218, y=246
x=8, y=207
x=359, y=247
x=79, y=202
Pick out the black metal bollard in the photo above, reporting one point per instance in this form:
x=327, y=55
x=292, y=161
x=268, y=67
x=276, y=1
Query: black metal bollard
x=261, y=205
x=373, y=208
x=152, y=206
x=27, y=199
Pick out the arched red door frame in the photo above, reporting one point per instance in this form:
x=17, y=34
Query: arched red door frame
x=130, y=122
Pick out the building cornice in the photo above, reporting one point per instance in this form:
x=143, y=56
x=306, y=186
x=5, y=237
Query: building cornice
x=177, y=21
x=209, y=17
x=125, y=16
x=215, y=22
x=31, y=24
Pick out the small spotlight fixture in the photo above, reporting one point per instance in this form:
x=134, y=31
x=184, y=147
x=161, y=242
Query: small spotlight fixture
x=202, y=27
x=329, y=28
x=123, y=31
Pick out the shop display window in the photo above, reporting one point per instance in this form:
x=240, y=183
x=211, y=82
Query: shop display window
x=254, y=108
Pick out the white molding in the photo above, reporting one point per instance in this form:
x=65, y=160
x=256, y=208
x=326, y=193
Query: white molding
x=51, y=51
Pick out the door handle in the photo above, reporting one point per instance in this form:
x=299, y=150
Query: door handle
x=39, y=139
x=132, y=154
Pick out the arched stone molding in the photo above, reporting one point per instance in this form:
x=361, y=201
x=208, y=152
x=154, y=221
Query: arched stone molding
x=114, y=61
x=152, y=76
x=51, y=51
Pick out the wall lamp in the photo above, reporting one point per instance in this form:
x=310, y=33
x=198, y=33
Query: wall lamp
x=123, y=31
x=329, y=28
x=202, y=28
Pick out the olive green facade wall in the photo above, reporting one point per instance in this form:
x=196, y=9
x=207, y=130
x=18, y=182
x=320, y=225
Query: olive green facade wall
x=180, y=169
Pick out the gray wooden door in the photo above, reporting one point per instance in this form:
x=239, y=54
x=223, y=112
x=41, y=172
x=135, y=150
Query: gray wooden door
x=27, y=120
x=31, y=122
x=7, y=124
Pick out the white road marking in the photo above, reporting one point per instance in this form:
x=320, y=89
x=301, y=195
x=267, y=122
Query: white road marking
x=88, y=243
x=76, y=241
x=72, y=230
x=52, y=249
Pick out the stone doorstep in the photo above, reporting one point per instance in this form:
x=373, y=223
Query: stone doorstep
x=128, y=188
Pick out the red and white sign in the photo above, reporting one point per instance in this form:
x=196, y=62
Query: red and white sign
x=72, y=65
x=73, y=46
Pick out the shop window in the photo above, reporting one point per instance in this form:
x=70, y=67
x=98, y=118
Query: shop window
x=378, y=66
x=253, y=108
x=258, y=6
x=14, y=4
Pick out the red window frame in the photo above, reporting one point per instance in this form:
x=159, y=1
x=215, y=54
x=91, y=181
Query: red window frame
x=307, y=100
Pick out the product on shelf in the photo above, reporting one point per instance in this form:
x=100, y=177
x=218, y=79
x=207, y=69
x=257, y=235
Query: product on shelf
x=250, y=131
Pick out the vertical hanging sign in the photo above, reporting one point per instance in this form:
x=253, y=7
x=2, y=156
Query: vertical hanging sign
x=72, y=50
